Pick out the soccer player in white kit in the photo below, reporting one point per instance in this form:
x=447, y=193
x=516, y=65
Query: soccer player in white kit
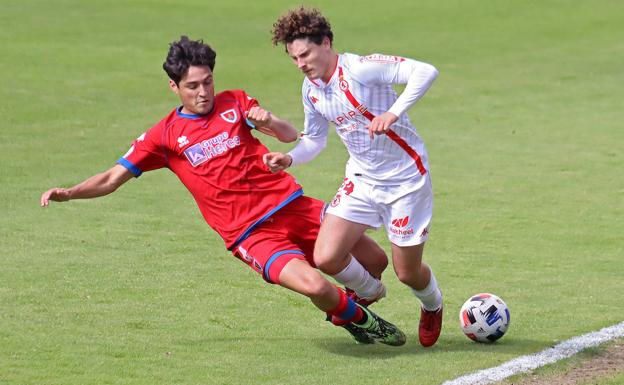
x=387, y=179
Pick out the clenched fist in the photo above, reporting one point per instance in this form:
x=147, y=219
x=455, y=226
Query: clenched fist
x=259, y=117
x=276, y=161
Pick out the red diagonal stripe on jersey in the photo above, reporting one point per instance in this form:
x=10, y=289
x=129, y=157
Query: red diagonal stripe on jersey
x=403, y=144
x=391, y=134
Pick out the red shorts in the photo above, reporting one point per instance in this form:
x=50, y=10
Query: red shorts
x=288, y=234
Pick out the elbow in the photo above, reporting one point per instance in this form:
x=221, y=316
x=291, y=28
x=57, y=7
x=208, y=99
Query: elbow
x=113, y=182
x=433, y=73
x=289, y=137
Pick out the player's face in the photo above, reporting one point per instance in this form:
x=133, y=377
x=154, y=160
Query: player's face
x=314, y=60
x=196, y=90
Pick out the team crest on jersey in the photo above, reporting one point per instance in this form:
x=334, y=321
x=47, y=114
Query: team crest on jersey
x=229, y=116
x=343, y=85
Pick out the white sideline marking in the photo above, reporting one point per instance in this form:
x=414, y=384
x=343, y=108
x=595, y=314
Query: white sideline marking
x=527, y=363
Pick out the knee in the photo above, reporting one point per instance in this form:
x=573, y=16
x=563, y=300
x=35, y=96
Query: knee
x=315, y=286
x=329, y=262
x=407, y=277
x=327, y=266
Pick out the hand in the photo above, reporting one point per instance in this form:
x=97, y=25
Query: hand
x=55, y=194
x=276, y=161
x=259, y=117
x=381, y=124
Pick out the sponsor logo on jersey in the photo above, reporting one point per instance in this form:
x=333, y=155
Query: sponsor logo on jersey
x=210, y=148
x=350, y=128
x=345, y=117
x=378, y=58
x=229, y=116
x=182, y=141
x=313, y=99
x=196, y=155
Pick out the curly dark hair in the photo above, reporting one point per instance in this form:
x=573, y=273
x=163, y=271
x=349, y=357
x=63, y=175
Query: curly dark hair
x=302, y=23
x=185, y=53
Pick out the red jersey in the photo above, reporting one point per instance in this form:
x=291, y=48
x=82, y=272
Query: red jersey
x=220, y=162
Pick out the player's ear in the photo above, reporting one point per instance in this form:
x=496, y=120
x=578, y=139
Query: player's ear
x=174, y=87
x=326, y=43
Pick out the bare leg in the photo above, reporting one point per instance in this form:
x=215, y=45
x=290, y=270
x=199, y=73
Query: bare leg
x=409, y=267
x=370, y=255
x=302, y=278
x=416, y=274
x=337, y=237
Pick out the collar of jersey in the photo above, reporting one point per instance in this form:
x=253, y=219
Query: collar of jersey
x=320, y=83
x=189, y=116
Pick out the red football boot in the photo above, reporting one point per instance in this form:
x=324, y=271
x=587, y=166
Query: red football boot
x=430, y=326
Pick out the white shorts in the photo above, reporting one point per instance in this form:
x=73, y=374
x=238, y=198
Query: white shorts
x=404, y=210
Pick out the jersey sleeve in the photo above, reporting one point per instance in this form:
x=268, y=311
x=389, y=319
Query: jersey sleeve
x=146, y=153
x=381, y=69
x=315, y=124
x=307, y=149
x=314, y=137
x=247, y=102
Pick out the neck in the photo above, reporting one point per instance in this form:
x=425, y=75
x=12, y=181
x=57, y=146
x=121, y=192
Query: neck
x=334, y=63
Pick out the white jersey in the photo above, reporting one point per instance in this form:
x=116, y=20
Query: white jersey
x=360, y=89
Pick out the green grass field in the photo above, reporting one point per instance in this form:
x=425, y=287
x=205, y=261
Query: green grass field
x=524, y=132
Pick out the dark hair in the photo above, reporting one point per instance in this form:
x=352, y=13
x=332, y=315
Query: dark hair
x=302, y=23
x=185, y=53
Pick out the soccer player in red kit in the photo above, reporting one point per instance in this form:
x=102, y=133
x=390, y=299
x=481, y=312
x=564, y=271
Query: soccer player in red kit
x=263, y=217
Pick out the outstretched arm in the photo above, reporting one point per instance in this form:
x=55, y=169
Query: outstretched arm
x=270, y=124
x=96, y=186
x=307, y=149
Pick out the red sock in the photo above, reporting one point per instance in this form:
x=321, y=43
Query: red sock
x=346, y=311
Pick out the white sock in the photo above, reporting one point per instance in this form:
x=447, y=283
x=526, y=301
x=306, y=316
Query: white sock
x=430, y=296
x=355, y=277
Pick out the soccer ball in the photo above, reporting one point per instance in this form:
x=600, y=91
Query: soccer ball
x=484, y=317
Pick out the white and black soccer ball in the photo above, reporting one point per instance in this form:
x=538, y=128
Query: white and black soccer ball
x=484, y=317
